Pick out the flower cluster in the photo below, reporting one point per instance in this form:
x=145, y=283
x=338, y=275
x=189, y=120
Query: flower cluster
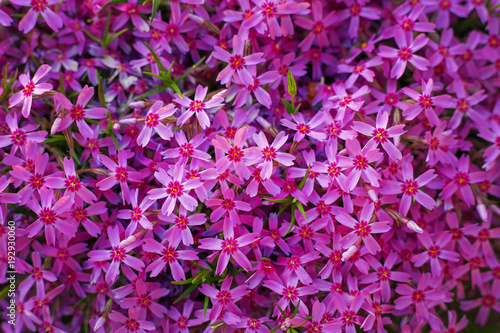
x=250, y=166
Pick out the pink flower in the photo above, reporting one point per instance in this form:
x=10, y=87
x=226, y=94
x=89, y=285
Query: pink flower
x=38, y=7
x=30, y=87
x=199, y=106
x=155, y=115
x=304, y=128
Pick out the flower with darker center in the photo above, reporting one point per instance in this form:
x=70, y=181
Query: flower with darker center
x=359, y=69
x=117, y=254
x=488, y=300
x=79, y=214
x=37, y=273
x=409, y=187
x=445, y=5
x=333, y=170
x=494, y=41
x=303, y=128
x=289, y=186
x=355, y=9
x=407, y=24
x=456, y=233
x=253, y=324
x=380, y=135
x=228, y=204
x=283, y=70
x=169, y=254
x=72, y=184
x=152, y=120
x=237, y=62
x=269, y=153
x=77, y=112
x=28, y=90
x=275, y=233
x=229, y=246
x=290, y=293
x=362, y=228
x=136, y=214
x=224, y=297
x=196, y=106
x=182, y=322
x=63, y=253
x=132, y=325
x=334, y=130
x=443, y=50
x=306, y=232
x=317, y=27
x=483, y=235
x=171, y=30
x=360, y=162
x=269, y=9
x=405, y=53
x=461, y=179
x=434, y=251
x=418, y=296
x=18, y=137
x=230, y=131
x=186, y=149
x=391, y=99
x=312, y=174
x=463, y=105
x=348, y=318
x=434, y=144
x=345, y=101
x=293, y=263
x=175, y=189
x=144, y=301
x=425, y=101
x=37, y=181
x=235, y=154
x=121, y=174
x=181, y=222
x=383, y=273
x=48, y=216
x=478, y=2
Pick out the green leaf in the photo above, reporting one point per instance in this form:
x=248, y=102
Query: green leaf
x=292, y=86
x=114, y=2
x=187, y=292
x=303, y=181
x=100, y=93
x=296, y=309
x=292, y=221
x=156, y=3
x=188, y=281
x=297, y=108
x=275, y=329
x=113, y=36
x=149, y=93
x=155, y=75
x=287, y=199
x=205, y=306
x=163, y=71
x=301, y=209
x=114, y=141
x=283, y=314
x=189, y=70
x=92, y=37
x=288, y=106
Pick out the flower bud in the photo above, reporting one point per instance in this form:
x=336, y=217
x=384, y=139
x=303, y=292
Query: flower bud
x=128, y=241
x=349, y=253
x=482, y=211
x=413, y=226
x=99, y=323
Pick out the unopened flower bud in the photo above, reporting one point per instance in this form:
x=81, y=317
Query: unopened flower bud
x=372, y=195
x=482, y=211
x=126, y=242
x=413, y=226
x=116, y=127
x=99, y=323
x=349, y=253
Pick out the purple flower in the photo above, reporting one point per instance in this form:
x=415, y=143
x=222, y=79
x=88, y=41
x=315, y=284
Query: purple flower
x=435, y=252
x=170, y=256
x=68, y=113
x=36, y=275
x=362, y=229
x=304, y=128
x=319, y=27
x=31, y=87
x=38, y=7
x=290, y=293
x=198, y=106
x=360, y=159
x=405, y=53
x=237, y=62
x=132, y=323
x=227, y=248
x=153, y=121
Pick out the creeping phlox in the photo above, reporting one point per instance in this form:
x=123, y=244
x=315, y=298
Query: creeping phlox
x=249, y=166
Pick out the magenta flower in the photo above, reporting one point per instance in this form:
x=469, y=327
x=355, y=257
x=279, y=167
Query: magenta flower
x=49, y=216
x=31, y=87
x=290, y=293
x=342, y=101
x=447, y=52
x=264, y=155
x=487, y=302
x=225, y=298
x=426, y=102
x=381, y=134
x=117, y=255
x=131, y=11
x=187, y=150
x=293, y=267
x=348, y=312
x=144, y=301
x=119, y=173
x=410, y=188
x=74, y=186
x=319, y=27
x=460, y=180
x=155, y=115
x=199, y=106
x=132, y=323
x=137, y=213
x=38, y=7
x=68, y=113
x=360, y=159
x=170, y=256
x=20, y=137
x=180, y=230
x=174, y=188
x=36, y=275
x=362, y=229
x=256, y=88
x=304, y=128
x=237, y=62
x=235, y=158
x=405, y=53
x=435, y=252
x=227, y=248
